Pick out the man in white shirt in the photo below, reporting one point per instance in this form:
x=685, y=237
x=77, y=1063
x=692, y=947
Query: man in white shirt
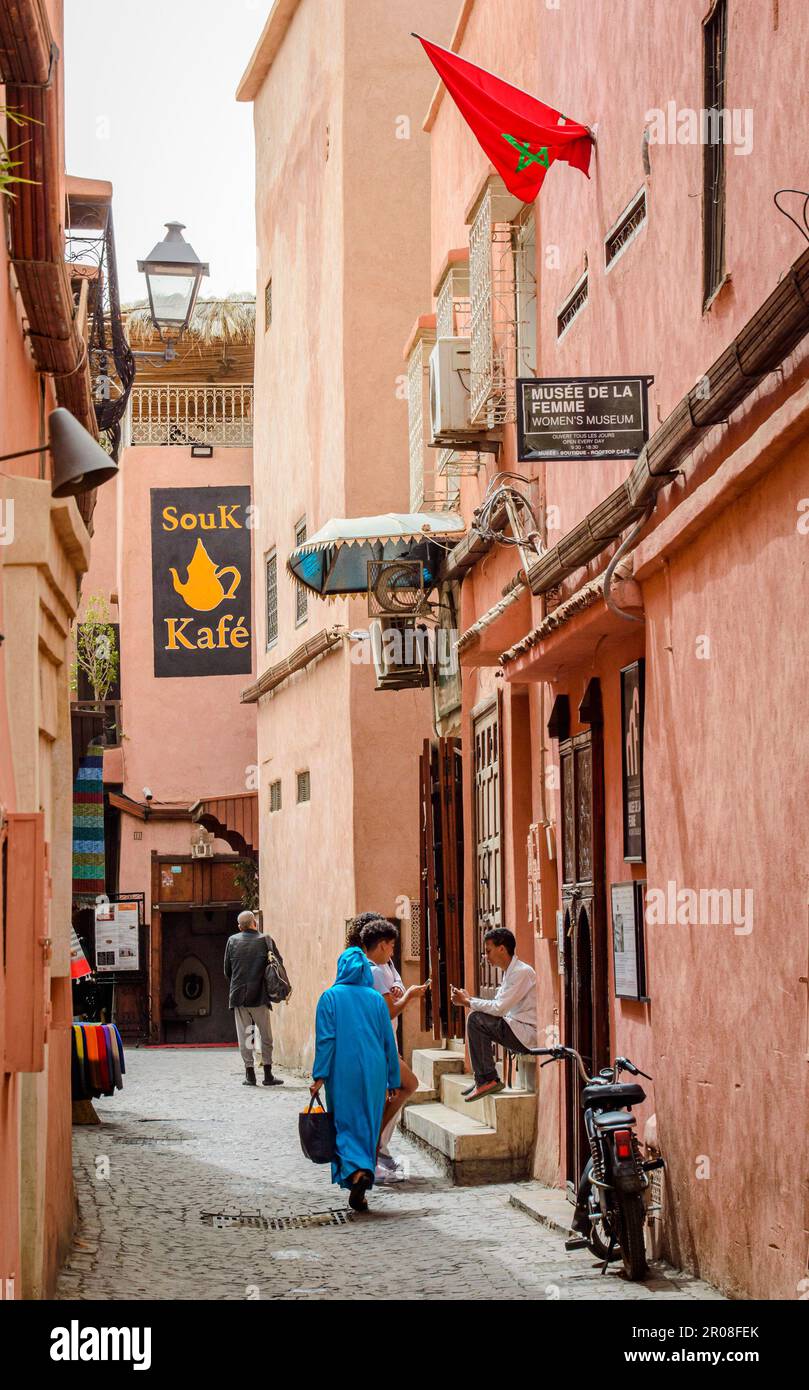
x=510, y=1018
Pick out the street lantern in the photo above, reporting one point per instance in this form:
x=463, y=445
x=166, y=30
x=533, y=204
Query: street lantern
x=173, y=276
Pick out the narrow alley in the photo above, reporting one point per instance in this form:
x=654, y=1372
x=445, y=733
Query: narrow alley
x=185, y=1147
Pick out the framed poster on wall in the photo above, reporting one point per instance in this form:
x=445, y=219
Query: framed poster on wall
x=632, y=713
x=628, y=946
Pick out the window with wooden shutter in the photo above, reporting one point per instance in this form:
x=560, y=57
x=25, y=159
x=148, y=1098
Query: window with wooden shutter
x=304, y=786
x=275, y=796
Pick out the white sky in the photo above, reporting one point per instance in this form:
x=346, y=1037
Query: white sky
x=150, y=88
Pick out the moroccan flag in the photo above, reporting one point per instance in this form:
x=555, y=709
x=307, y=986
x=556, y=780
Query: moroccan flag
x=521, y=135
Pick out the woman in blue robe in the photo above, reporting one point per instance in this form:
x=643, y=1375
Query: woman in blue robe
x=357, y=1061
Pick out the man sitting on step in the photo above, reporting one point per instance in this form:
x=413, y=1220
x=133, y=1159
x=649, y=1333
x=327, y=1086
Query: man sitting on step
x=510, y=1018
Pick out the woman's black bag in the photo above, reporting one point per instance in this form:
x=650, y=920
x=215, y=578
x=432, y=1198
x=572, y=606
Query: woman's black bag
x=317, y=1133
x=276, y=978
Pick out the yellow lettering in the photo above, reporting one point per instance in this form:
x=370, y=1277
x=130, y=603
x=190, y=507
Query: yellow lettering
x=225, y=518
x=240, y=632
x=169, y=518
x=206, y=641
x=206, y=521
x=221, y=635
x=188, y=521
x=176, y=638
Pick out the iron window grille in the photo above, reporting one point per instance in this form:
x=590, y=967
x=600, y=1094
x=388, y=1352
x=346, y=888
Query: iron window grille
x=573, y=305
x=304, y=787
x=632, y=219
x=453, y=319
x=713, y=150
x=499, y=262
x=275, y=796
x=301, y=602
x=272, y=599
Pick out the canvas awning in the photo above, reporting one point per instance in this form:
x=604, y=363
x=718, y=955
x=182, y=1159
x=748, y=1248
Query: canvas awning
x=335, y=560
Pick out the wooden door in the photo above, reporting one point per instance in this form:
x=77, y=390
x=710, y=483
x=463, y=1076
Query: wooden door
x=586, y=1021
x=488, y=839
x=441, y=844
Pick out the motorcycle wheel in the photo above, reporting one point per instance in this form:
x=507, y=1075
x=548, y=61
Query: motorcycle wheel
x=595, y=1244
x=631, y=1213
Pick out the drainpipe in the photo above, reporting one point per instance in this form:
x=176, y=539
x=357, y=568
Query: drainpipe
x=625, y=545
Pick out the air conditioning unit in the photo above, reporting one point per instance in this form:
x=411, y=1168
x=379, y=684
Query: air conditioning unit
x=450, y=364
x=202, y=850
x=395, y=587
x=398, y=647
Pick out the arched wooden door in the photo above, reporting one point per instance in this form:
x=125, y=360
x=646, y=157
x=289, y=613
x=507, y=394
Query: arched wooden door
x=586, y=1013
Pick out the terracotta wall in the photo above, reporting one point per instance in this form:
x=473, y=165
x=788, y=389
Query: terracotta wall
x=722, y=781
x=343, y=230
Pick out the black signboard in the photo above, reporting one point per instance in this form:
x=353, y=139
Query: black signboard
x=632, y=711
x=201, y=581
x=628, y=951
x=582, y=417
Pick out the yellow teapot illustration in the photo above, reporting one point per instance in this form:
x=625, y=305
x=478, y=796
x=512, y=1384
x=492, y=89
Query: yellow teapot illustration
x=203, y=588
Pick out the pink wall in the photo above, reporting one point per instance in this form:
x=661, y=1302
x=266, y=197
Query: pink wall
x=725, y=1033
x=342, y=219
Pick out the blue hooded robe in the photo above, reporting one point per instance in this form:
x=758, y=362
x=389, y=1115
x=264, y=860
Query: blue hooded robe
x=355, y=1054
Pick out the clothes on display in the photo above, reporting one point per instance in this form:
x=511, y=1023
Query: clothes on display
x=97, y=1060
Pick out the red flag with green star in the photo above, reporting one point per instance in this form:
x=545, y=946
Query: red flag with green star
x=521, y=135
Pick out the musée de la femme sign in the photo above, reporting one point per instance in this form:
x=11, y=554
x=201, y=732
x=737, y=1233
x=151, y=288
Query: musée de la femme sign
x=585, y=417
x=201, y=581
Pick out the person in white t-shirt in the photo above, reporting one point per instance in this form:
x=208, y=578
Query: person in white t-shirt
x=378, y=936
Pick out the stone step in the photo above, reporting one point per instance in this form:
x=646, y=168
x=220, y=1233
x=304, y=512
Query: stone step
x=471, y=1153
x=425, y=1095
x=456, y=1045
x=511, y=1113
x=431, y=1063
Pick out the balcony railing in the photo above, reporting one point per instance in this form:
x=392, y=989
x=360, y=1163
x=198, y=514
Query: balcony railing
x=192, y=413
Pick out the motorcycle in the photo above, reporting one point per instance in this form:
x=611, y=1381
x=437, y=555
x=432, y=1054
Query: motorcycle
x=610, y=1206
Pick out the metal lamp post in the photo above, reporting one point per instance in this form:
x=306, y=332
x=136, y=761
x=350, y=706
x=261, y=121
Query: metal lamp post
x=173, y=276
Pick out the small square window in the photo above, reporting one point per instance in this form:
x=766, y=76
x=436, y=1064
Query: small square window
x=304, y=787
x=301, y=601
x=275, y=796
x=267, y=304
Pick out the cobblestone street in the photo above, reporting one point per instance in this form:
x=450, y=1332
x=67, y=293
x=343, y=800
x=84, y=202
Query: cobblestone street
x=185, y=1142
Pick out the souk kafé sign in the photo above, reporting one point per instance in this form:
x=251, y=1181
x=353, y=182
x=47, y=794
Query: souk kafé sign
x=201, y=583
x=585, y=417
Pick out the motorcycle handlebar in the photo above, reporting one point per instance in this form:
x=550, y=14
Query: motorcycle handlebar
x=558, y=1054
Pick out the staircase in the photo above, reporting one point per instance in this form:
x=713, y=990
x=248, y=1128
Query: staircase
x=489, y=1140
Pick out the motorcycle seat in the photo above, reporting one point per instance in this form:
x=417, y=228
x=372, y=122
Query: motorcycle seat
x=614, y=1119
x=615, y=1094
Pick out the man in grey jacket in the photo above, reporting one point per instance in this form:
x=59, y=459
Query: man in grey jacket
x=245, y=963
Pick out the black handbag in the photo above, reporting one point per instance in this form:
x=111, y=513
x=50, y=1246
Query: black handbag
x=276, y=979
x=317, y=1133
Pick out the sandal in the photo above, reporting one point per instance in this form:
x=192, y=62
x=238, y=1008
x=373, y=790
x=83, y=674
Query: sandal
x=356, y=1196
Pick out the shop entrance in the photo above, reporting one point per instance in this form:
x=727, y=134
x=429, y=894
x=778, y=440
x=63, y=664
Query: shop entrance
x=195, y=907
x=586, y=1012
x=194, y=1004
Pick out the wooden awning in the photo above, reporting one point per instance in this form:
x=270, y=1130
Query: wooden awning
x=233, y=819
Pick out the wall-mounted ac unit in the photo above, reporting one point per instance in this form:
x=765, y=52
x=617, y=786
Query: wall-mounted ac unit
x=398, y=648
x=450, y=362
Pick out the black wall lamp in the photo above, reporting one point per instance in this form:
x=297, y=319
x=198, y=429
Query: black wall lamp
x=79, y=462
